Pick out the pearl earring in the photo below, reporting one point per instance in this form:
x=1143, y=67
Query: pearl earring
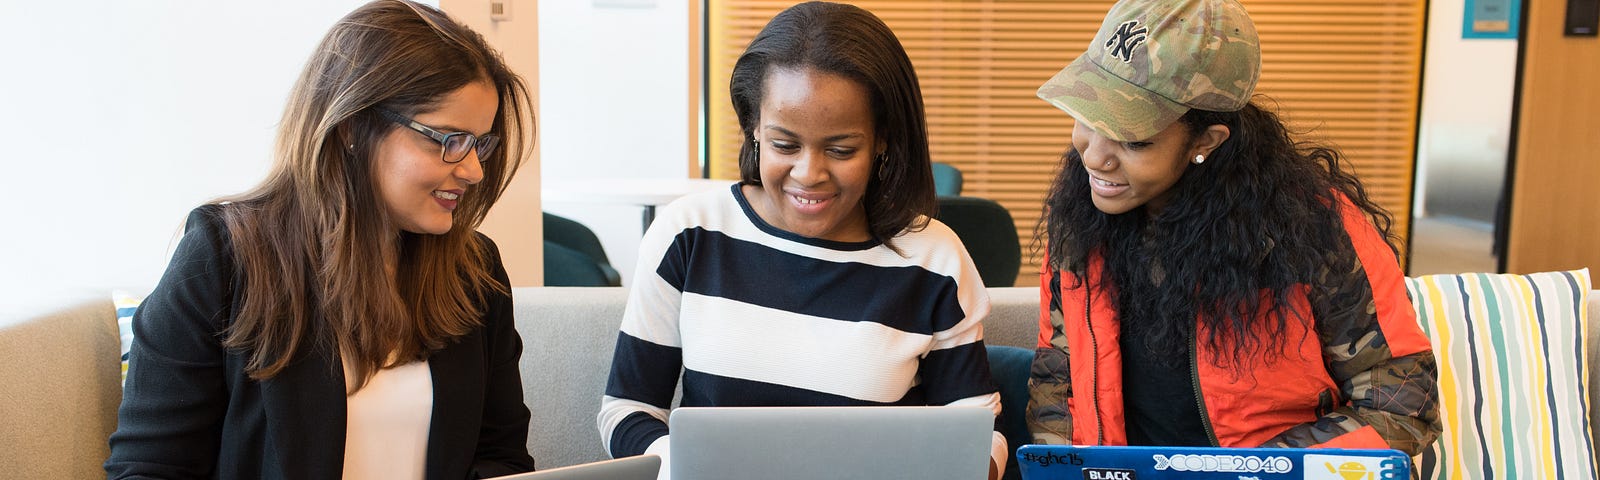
x=1199, y=159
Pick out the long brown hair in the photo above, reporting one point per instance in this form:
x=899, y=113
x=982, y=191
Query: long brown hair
x=853, y=43
x=322, y=265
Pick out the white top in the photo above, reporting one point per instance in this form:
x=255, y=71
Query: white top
x=386, y=426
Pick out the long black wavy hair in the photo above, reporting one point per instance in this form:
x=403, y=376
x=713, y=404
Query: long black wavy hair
x=1261, y=215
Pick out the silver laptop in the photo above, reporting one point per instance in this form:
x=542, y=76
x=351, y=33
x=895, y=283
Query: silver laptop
x=643, y=467
x=809, y=443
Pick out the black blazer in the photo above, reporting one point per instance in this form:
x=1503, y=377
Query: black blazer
x=190, y=411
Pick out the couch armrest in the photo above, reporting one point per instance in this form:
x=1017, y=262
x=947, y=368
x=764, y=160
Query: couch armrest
x=60, y=363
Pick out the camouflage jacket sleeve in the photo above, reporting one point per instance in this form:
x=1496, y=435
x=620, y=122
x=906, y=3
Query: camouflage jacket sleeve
x=1378, y=356
x=1049, y=381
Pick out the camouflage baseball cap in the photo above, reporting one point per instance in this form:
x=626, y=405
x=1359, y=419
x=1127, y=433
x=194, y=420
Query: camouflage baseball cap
x=1153, y=60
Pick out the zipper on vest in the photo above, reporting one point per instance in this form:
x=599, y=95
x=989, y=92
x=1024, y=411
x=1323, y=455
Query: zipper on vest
x=1199, y=397
x=1094, y=370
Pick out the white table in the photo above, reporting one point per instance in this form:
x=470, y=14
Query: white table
x=644, y=192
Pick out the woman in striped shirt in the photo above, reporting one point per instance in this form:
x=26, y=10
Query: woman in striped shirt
x=820, y=278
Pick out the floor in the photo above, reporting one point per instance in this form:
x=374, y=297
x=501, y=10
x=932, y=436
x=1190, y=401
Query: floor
x=1450, y=245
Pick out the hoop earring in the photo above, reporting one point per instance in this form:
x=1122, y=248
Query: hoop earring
x=883, y=164
x=1199, y=159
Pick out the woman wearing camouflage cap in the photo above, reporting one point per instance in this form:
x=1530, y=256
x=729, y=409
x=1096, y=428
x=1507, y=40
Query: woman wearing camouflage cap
x=1209, y=280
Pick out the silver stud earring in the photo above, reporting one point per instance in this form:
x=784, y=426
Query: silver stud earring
x=1108, y=163
x=1199, y=159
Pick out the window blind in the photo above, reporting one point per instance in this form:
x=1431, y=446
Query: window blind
x=1345, y=73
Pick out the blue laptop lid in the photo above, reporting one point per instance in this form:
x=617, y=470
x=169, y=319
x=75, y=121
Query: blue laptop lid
x=1060, y=462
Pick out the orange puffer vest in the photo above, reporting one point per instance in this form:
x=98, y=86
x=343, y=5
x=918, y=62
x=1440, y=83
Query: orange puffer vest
x=1239, y=410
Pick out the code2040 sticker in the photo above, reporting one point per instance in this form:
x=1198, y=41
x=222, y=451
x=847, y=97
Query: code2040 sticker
x=1224, y=463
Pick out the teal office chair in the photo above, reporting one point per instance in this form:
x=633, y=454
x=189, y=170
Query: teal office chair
x=990, y=235
x=946, y=179
x=573, y=256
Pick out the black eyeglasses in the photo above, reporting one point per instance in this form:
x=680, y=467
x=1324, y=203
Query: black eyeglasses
x=454, y=146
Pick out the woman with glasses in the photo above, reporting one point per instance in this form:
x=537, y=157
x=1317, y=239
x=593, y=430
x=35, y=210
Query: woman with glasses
x=820, y=278
x=343, y=319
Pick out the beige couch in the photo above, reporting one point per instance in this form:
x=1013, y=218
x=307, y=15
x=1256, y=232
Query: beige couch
x=60, y=384
x=568, y=335
x=60, y=371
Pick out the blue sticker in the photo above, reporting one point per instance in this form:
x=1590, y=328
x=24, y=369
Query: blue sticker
x=1491, y=19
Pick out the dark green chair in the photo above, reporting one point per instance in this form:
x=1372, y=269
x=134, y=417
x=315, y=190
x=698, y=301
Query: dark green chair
x=990, y=235
x=573, y=256
x=1010, y=367
x=946, y=179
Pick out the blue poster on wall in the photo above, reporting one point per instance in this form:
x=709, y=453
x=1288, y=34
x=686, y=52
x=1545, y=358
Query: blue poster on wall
x=1491, y=18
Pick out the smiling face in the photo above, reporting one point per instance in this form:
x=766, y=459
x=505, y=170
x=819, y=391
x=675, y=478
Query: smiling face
x=816, y=145
x=1126, y=175
x=419, y=190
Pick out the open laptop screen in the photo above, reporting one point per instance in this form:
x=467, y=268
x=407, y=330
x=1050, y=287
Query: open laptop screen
x=830, y=442
x=1051, y=462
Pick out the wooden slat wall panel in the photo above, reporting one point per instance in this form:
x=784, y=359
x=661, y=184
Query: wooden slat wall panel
x=1346, y=73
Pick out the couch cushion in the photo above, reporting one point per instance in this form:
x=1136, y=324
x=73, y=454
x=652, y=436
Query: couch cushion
x=568, y=335
x=1512, y=374
x=1013, y=317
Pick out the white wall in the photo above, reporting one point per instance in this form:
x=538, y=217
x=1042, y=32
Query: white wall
x=120, y=116
x=1465, y=124
x=614, y=88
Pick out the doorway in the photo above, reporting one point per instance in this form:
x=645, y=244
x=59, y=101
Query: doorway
x=1464, y=130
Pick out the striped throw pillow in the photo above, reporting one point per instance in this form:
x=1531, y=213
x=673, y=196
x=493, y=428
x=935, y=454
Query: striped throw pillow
x=126, y=303
x=1513, y=374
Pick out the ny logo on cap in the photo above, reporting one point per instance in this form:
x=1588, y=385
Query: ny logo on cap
x=1127, y=37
